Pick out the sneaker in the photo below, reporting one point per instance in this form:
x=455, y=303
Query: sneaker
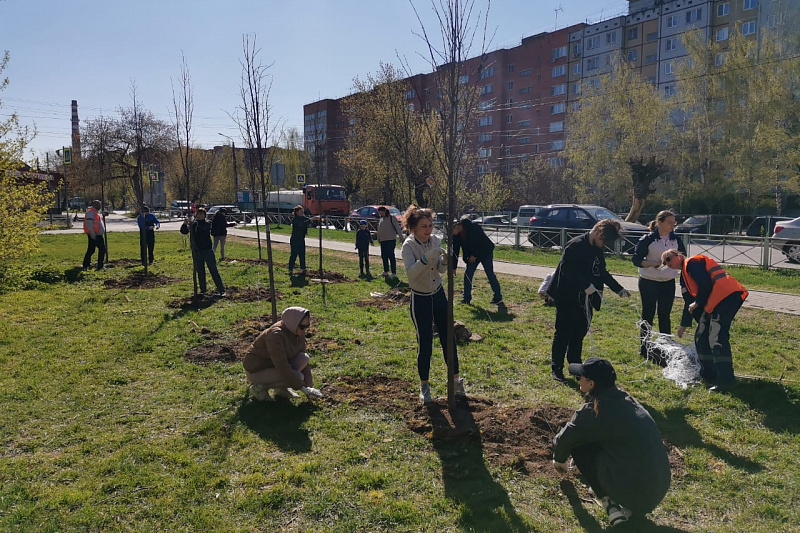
x=291, y=272
x=617, y=514
x=496, y=301
x=465, y=301
x=558, y=376
x=393, y=276
x=459, y=386
x=260, y=392
x=222, y=294
x=425, y=393
x=285, y=393
x=311, y=392
x=385, y=274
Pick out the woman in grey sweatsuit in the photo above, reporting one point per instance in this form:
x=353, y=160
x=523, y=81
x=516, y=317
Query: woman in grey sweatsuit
x=425, y=261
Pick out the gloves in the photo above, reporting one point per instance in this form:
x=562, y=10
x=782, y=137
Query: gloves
x=624, y=293
x=311, y=392
x=561, y=468
x=433, y=255
x=590, y=289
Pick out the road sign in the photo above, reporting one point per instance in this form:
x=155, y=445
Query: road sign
x=67, y=156
x=301, y=178
x=153, y=176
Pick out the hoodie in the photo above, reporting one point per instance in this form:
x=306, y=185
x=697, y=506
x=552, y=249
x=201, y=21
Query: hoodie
x=277, y=345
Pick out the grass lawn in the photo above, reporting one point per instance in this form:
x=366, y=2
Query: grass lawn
x=111, y=422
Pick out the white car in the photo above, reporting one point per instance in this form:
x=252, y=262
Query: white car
x=786, y=238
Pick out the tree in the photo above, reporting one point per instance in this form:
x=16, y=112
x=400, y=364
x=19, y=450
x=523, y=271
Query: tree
x=491, y=194
x=618, y=140
x=24, y=202
x=535, y=181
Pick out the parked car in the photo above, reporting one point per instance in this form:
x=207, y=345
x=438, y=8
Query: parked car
x=572, y=216
x=525, y=213
x=231, y=209
x=492, y=220
x=77, y=202
x=786, y=238
x=179, y=208
x=370, y=214
x=763, y=226
x=693, y=224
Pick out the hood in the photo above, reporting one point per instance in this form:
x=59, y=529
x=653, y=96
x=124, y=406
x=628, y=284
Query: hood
x=633, y=227
x=292, y=316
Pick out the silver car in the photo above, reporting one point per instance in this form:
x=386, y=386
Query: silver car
x=786, y=238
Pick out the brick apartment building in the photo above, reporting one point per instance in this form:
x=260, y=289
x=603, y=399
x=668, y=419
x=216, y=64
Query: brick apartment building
x=526, y=90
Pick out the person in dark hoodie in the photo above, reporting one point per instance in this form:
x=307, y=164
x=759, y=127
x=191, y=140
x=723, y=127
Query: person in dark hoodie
x=297, y=242
x=277, y=359
x=219, y=230
x=478, y=249
x=577, y=289
x=363, y=241
x=615, y=444
x=202, y=251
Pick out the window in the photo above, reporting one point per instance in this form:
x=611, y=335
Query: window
x=576, y=68
x=486, y=104
x=481, y=170
x=633, y=34
x=576, y=49
x=463, y=79
x=526, y=90
x=507, y=151
x=669, y=90
x=408, y=95
x=510, y=85
x=652, y=58
x=555, y=162
x=524, y=140
x=524, y=123
x=484, y=137
x=693, y=15
x=561, y=51
x=749, y=28
x=487, y=72
x=591, y=63
x=555, y=109
x=652, y=36
x=509, y=118
x=526, y=72
x=486, y=89
x=525, y=105
x=775, y=20
x=670, y=45
x=410, y=107
x=510, y=68
x=668, y=67
x=556, y=126
x=611, y=37
x=485, y=152
x=559, y=71
x=750, y=4
x=633, y=55
x=722, y=34
x=557, y=145
x=576, y=88
x=672, y=21
x=723, y=9
x=485, y=121
x=561, y=88
x=593, y=42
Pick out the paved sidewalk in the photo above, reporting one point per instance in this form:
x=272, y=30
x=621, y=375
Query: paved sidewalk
x=771, y=301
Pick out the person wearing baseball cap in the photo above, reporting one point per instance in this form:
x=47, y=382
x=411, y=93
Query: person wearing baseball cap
x=615, y=444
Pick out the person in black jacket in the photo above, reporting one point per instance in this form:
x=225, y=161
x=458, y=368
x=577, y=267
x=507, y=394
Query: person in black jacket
x=478, y=250
x=202, y=251
x=363, y=240
x=615, y=444
x=297, y=242
x=577, y=289
x=219, y=230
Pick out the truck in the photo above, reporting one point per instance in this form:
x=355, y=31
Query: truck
x=329, y=200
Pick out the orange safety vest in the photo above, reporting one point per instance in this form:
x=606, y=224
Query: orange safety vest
x=95, y=221
x=722, y=283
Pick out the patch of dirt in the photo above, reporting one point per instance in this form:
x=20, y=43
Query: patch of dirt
x=249, y=261
x=234, y=294
x=226, y=352
x=330, y=277
x=325, y=345
x=124, y=263
x=387, y=300
x=139, y=280
x=517, y=437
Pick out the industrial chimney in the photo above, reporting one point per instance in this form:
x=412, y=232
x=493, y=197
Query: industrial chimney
x=76, y=132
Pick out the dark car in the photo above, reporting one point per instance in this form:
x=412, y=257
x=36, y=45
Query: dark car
x=693, y=224
x=572, y=216
x=763, y=226
x=370, y=214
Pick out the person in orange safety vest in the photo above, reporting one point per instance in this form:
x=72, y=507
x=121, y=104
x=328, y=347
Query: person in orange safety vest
x=94, y=227
x=713, y=297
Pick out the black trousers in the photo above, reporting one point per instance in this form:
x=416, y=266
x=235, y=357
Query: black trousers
x=427, y=310
x=712, y=338
x=297, y=249
x=98, y=243
x=573, y=317
x=363, y=260
x=387, y=255
x=148, y=245
x=657, y=295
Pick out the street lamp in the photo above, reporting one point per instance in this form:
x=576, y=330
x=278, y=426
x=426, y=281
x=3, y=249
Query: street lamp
x=66, y=157
x=235, y=175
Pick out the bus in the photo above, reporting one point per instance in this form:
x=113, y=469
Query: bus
x=328, y=200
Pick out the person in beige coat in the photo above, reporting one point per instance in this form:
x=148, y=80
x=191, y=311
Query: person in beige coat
x=277, y=359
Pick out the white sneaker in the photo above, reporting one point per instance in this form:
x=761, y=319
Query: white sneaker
x=285, y=393
x=311, y=392
x=425, y=393
x=260, y=392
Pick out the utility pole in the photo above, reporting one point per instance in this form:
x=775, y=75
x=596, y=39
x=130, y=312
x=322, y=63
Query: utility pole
x=66, y=159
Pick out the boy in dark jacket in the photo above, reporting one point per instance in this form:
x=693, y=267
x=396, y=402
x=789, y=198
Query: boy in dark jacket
x=577, y=289
x=363, y=240
x=202, y=252
x=148, y=223
x=478, y=250
x=297, y=242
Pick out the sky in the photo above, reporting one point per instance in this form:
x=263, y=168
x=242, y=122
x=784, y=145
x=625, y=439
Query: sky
x=95, y=51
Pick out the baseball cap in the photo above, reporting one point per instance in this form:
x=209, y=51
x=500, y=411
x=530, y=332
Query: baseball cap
x=363, y=223
x=597, y=369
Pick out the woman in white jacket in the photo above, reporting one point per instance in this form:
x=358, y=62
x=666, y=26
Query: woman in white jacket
x=425, y=261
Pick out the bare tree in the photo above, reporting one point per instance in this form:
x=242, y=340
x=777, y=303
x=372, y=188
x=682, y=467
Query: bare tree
x=457, y=111
x=254, y=127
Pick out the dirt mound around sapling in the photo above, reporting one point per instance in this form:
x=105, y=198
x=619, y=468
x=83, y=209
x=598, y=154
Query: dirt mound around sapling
x=139, y=280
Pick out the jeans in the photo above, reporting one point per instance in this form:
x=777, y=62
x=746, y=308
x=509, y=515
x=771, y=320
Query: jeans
x=220, y=240
x=387, y=255
x=572, y=323
x=657, y=295
x=99, y=243
x=427, y=310
x=488, y=267
x=203, y=258
x=147, y=246
x=363, y=260
x=297, y=249
x=712, y=340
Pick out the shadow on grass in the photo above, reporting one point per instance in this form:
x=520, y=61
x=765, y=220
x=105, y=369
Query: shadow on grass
x=484, y=503
x=590, y=524
x=395, y=283
x=679, y=432
x=74, y=275
x=298, y=281
x=280, y=422
x=502, y=314
x=779, y=405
